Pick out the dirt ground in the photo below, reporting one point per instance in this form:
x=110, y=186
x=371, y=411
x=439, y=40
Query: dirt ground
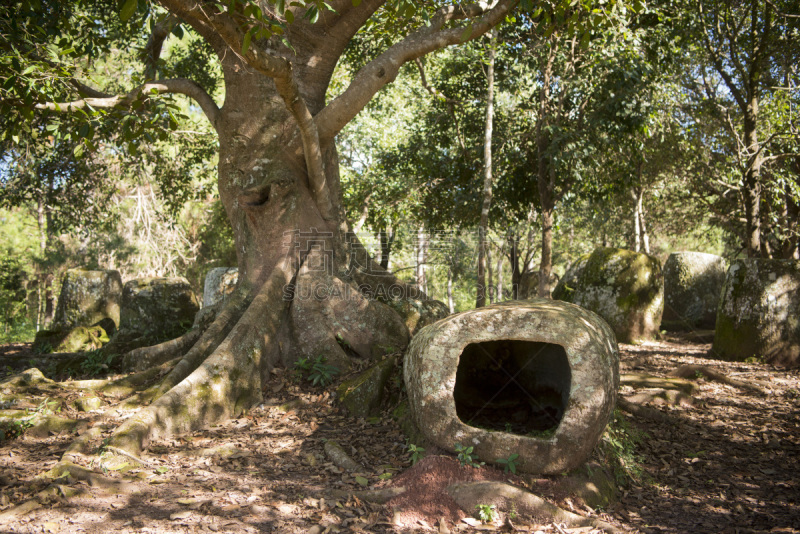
x=727, y=462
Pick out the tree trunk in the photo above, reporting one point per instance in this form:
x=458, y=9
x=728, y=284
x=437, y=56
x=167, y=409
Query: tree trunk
x=643, y=227
x=483, y=244
x=641, y=241
x=386, y=238
x=44, y=289
x=490, y=272
x=303, y=283
x=422, y=259
x=499, y=275
x=450, y=304
x=637, y=231
x=791, y=247
x=752, y=179
x=545, y=181
x=513, y=259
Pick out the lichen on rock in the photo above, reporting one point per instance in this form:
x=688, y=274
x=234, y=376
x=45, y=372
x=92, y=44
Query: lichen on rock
x=419, y=313
x=362, y=395
x=623, y=287
x=759, y=312
x=160, y=307
x=565, y=365
x=692, y=286
x=219, y=284
x=87, y=297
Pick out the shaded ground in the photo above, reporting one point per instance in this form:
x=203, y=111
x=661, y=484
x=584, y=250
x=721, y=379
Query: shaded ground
x=727, y=463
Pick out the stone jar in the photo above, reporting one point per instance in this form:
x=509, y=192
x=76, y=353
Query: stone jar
x=537, y=378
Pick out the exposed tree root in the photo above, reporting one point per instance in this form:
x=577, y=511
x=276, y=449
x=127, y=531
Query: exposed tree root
x=225, y=383
x=128, y=385
x=377, y=496
x=642, y=411
x=52, y=493
x=704, y=371
x=211, y=338
x=146, y=357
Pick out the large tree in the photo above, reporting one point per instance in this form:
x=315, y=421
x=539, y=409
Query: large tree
x=278, y=176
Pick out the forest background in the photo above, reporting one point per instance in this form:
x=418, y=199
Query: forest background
x=673, y=128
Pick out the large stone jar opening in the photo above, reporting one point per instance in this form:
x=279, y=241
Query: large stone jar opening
x=519, y=387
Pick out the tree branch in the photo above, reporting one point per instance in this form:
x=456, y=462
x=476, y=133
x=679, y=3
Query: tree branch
x=173, y=86
x=717, y=62
x=384, y=68
x=152, y=50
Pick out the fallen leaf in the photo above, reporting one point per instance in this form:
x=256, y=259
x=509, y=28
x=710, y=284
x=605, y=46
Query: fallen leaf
x=180, y=515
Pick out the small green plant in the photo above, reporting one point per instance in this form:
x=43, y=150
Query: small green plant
x=509, y=463
x=317, y=371
x=486, y=512
x=465, y=456
x=14, y=429
x=96, y=362
x=508, y=427
x=44, y=348
x=416, y=453
x=618, y=449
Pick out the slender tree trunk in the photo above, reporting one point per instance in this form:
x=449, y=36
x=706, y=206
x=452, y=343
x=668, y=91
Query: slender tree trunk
x=752, y=179
x=791, y=248
x=422, y=253
x=637, y=231
x=513, y=259
x=545, y=182
x=499, y=274
x=490, y=273
x=386, y=237
x=41, y=288
x=643, y=227
x=483, y=244
x=450, y=304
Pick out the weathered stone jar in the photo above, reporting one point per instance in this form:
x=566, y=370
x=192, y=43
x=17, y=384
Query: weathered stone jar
x=759, y=312
x=692, y=286
x=88, y=297
x=537, y=378
x=623, y=287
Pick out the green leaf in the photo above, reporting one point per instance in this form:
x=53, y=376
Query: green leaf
x=356, y=3
x=289, y=16
x=78, y=151
x=362, y=481
x=312, y=14
x=466, y=33
x=128, y=9
x=246, y=42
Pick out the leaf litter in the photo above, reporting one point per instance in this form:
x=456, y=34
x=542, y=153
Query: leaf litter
x=727, y=462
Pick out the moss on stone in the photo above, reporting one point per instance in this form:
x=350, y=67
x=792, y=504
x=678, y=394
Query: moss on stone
x=362, y=395
x=692, y=286
x=623, y=287
x=78, y=339
x=759, y=312
x=565, y=289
